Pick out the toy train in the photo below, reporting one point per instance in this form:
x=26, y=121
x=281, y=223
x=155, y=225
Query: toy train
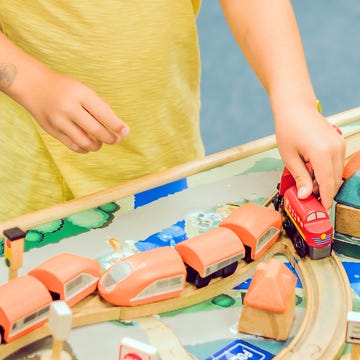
x=145, y=277
x=306, y=222
x=25, y=300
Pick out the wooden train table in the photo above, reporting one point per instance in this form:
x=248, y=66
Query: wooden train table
x=164, y=209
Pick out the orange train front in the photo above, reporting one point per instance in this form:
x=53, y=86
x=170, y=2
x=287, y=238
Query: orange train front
x=145, y=277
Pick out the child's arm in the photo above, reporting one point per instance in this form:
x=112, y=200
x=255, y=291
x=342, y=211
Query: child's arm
x=267, y=32
x=64, y=107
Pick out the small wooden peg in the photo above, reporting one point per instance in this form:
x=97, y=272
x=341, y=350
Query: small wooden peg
x=60, y=319
x=14, y=250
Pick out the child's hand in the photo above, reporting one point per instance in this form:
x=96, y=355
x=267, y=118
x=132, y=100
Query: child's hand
x=305, y=135
x=73, y=113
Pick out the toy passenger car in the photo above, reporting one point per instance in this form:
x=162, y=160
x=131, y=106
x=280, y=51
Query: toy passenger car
x=24, y=306
x=68, y=277
x=211, y=254
x=258, y=227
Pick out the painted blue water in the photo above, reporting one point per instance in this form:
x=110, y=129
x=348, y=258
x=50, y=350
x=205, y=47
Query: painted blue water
x=235, y=107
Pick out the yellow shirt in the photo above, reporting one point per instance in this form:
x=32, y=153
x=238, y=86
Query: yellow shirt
x=141, y=56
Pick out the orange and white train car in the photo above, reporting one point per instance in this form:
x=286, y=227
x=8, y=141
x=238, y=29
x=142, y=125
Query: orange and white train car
x=25, y=300
x=24, y=306
x=258, y=227
x=68, y=277
x=211, y=254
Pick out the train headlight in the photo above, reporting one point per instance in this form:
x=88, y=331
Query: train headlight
x=323, y=236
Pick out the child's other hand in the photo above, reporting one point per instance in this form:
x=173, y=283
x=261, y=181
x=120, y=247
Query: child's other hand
x=73, y=113
x=305, y=135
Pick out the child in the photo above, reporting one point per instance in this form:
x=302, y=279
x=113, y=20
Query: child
x=96, y=93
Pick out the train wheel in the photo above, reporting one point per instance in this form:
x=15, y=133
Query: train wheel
x=276, y=201
x=247, y=257
x=202, y=282
x=300, y=245
x=190, y=274
x=288, y=227
x=230, y=269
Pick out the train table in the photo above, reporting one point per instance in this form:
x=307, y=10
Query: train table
x=164, y=209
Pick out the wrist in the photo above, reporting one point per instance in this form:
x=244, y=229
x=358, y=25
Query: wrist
x=287, y=106
x=29, y=83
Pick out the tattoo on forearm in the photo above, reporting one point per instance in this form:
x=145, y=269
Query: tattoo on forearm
x=7, y=75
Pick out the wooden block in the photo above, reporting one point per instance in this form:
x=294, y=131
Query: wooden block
x=269, y=305
x=353, y=334
x=347, y=245
x=352, y=165
x=347, y=220
x=267, y=323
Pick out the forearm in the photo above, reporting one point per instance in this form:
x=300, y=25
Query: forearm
x=19, y=72
x=267, y=32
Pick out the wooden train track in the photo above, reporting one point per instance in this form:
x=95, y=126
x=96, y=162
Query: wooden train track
x=328, y=299
x=321, y=334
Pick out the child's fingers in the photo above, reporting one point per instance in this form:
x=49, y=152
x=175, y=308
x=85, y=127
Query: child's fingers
x=300, y=173
x=74, y=137
x=103, y=113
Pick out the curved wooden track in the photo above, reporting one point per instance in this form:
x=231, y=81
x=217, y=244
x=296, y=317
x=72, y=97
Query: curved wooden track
x=321, y=335
x=328, y=300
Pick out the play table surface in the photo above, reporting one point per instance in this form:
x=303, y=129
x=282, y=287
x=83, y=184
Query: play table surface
x=163, y=209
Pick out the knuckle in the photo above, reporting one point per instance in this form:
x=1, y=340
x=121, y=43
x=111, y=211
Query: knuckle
x=86, y=144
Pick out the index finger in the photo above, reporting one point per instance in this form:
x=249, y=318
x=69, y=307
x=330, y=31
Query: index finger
x=104, y=114
x=325, y=177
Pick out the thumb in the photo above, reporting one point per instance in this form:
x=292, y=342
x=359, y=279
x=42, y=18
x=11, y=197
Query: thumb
x=303, y=179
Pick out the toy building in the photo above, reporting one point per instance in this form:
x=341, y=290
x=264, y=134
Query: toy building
x=269, y=304
x=347, y=210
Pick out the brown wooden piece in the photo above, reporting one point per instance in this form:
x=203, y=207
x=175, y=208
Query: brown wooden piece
x=347, y=220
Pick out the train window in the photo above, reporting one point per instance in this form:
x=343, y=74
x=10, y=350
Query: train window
x=220, y=265
x=320, y=215
x=117, y=273
x=29, y=320
x=79, y=283
x=161, y=286
x=311, y=217
x=266, y=237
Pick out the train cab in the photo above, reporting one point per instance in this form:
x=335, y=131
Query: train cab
x=308, y=224
x=144, y=277
x=17, y=315
x=68, y=277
